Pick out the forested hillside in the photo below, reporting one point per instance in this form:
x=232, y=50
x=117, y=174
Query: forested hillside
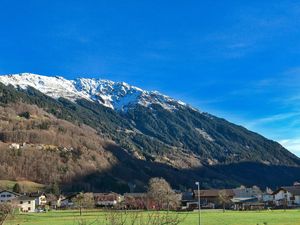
x=85, y=145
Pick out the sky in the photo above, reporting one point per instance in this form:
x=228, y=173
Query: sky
x=239, y=60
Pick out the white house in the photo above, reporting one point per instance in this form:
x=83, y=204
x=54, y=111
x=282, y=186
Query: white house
x=287, y=196
x=25, y=203
x=40, y=199
x=7, y=196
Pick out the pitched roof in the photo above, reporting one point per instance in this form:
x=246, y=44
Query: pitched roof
x=213, y=192
x=52, y=197
x=25, y=198
x=70, y=196
x=105, y=194
x=243, y=200
x=295, y=190
x=36, y=194
x=136, y=195
x=1, y=191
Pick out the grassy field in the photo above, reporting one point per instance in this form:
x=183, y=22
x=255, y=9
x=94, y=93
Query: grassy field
x=278, y=217
x=25, y=184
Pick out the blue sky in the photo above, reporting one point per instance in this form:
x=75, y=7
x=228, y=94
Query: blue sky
x=236, y=59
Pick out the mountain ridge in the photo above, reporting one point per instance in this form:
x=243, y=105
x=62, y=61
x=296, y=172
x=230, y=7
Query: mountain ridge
x=115, y=95
x=158, y=141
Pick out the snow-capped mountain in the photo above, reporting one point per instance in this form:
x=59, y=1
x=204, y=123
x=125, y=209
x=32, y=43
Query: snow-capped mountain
x=115, y=95
x=171, y=141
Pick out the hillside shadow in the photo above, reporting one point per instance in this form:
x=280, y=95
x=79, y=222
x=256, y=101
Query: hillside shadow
x=138, y=172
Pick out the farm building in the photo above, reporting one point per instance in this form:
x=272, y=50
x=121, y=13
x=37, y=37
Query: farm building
x=288, y=196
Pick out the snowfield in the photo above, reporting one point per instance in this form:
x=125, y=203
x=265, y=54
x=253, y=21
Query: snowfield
x=116, y=95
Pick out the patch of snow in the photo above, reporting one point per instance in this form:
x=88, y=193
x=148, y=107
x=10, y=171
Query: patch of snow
x=115, y=95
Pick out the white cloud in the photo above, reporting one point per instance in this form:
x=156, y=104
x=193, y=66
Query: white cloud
x=272, y=119
x=292, y=144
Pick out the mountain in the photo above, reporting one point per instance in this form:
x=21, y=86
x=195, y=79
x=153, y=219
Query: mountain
x=115, y=95
x=141, y=134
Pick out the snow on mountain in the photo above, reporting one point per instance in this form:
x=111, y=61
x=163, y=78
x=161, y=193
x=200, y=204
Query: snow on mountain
x=115, y=95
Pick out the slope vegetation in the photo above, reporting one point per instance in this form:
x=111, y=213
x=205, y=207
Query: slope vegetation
x=85, y=145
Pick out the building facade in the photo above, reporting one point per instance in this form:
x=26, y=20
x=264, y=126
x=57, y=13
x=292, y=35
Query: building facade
x=7, y=196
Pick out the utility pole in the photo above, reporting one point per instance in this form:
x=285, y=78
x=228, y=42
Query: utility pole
x=199, y=208
x=168, y=207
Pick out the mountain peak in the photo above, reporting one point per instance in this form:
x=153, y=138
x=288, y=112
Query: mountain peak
x=115, y=95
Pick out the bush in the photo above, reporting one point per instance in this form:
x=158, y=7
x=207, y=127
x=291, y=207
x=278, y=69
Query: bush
x=25, y=115
x=44, y=125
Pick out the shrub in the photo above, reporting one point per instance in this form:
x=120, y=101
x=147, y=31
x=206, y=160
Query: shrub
x=25, y=115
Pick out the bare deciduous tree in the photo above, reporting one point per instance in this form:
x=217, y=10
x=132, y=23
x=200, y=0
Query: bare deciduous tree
x=224, y=198
x=5, y=210
x=84, y=201
x=162, y=194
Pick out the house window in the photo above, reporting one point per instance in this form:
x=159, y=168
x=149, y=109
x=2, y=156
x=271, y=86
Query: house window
x=21, y=202
x=29, y=202
x=29, y=208
x=3, y=196
x=8, y=196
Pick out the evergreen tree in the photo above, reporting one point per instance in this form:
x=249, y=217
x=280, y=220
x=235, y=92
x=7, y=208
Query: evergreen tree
x=55, y=189
x=17, y=188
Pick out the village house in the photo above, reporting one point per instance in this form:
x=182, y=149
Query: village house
x=248, y=198
x=187, y=198
x=53, y=201
x=107, y=199
x=67, y=202
x=288, y=196
x=244, y=192
x=138, y=201
x=25, y=203
x=247, y=203
x=267, y=197
x=40, y=199
x=7, y=196
x=211, y=198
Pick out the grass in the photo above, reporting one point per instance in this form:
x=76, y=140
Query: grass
x=27, y=185
x=68, y=217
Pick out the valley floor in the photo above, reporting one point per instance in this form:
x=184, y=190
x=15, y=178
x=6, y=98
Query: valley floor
x=68, y=217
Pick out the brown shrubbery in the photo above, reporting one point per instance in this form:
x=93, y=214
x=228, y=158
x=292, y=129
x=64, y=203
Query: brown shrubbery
x=54, y=150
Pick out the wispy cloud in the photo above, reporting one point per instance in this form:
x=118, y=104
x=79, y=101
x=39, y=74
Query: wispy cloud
x=274, y=118
x=283, y=128
x=279, y=118
x=292, y=144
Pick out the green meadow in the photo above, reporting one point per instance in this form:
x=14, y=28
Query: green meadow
x=26, y=185
x=71, y=217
